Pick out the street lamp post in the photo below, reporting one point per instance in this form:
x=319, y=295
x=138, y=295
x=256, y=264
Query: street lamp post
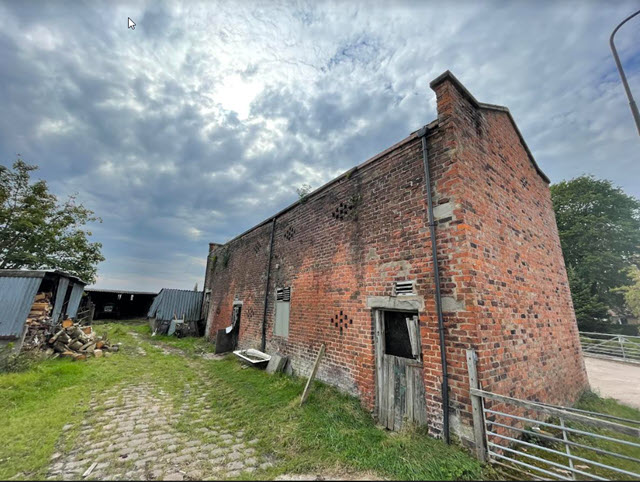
x=632, y=103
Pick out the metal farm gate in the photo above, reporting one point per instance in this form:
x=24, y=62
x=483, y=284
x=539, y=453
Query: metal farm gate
x=611, y=346
x=550, y=442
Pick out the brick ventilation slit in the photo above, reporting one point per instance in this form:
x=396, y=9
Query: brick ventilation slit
x=341, y=321
x=289, y=233
x=341, y=211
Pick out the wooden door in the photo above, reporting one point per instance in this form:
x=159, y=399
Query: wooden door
x=400, y=394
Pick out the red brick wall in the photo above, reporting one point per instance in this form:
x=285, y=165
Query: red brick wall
x=515, y=307
x=494, y=214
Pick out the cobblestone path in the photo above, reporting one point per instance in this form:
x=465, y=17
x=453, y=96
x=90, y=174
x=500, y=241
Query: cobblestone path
x=132, y=434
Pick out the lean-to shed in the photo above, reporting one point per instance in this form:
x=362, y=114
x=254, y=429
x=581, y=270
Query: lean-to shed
x=18, y=289
x=171, y=304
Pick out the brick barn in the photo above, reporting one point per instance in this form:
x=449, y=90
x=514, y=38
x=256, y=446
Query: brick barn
x=351, y=266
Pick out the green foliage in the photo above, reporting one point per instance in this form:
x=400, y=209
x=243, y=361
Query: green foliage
x=38, y=231
x=15, y=362
x=599, y=227
x=591, y=313
x=632, y=292
x=226, y=255
x=303, y=191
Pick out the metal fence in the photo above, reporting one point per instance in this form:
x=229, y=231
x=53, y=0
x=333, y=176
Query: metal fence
x=613, y=347
x=550, y=442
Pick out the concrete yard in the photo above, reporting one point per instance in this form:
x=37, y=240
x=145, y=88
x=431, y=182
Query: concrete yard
x=615, y=379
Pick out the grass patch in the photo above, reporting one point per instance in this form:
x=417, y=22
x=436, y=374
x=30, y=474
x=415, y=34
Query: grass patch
x=331, y=432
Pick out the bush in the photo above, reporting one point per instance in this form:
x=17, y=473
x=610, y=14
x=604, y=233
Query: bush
x=13, y=362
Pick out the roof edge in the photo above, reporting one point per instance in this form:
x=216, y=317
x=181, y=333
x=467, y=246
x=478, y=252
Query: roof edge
x=448, y=75
x=397, y=145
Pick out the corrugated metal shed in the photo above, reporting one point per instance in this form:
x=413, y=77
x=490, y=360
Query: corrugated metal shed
x=63, y=284
x=74, y=299
x=17, y=291
x=178, y=302
x=16, y=297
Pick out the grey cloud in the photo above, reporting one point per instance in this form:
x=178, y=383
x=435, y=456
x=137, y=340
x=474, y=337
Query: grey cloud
x=137, y=124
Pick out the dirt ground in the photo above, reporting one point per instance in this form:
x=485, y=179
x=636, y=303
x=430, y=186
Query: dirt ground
x=615, y=379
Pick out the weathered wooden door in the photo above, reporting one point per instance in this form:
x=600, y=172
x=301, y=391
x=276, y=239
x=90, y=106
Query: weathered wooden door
x=400, y=394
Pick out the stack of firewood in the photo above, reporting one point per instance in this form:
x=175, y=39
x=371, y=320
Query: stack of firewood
x=41, y=307
x=79, y=342
x=66, y=339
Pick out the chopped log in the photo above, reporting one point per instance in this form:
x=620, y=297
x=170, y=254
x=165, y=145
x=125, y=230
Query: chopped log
x=55, y=337
x=76, y=333
x=67, y=323
x=40, y=306
x=60, y=347
x=99, y=344
x=67, y=354
x=40, y=297
x=97, y=353
x=87, y=345
x=79, y=357
x=76, y=345
x=87, y=330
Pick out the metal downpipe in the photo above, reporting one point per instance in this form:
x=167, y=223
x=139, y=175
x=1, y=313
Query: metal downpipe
x=436, y=276
x=263, y=343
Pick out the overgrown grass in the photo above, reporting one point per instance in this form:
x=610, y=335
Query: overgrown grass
x=330, y=431
x=591, y=402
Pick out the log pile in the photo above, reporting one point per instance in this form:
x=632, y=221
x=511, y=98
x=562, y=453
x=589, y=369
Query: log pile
x=41, y=308
x=79, y=342
x=66, y=339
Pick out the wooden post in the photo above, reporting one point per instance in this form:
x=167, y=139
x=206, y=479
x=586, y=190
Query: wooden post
x=476, y=406
x=307, y=388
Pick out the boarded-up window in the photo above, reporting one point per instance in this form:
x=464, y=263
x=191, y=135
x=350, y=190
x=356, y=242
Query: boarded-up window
x=283, y=301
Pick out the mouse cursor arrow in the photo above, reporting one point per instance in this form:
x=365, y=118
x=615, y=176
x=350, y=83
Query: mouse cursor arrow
x=132, y=24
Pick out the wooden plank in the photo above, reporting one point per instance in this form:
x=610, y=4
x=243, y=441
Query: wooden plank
x=390, y=387
x=399, y=392
x=413, y=327
x=476, y=407
x=307, y=388
x=410, y=395
x=419, y=401
x=378, y=345
x=634, y=432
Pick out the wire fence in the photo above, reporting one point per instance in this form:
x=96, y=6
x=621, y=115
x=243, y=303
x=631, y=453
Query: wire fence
x=609, y=346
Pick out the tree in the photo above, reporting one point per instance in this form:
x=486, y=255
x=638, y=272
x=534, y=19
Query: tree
x=37, y=231
x=632, y=292
x=599, y=227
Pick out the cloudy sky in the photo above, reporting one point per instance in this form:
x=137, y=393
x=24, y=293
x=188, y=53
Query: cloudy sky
x=205, y=119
